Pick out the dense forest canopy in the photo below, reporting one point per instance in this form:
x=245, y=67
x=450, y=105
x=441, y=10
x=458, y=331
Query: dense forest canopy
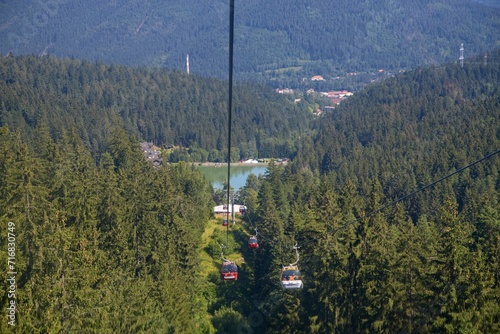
x=278, y=42
x=98, y=248
x=381, y=252
x=446, y=111
x=155, y=105
x=103, y=242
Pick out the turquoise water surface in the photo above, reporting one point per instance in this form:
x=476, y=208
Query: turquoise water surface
x=239, y=174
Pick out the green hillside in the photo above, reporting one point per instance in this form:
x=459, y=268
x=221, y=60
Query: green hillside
x=382, y=251
x=102, y=242
x=157, y=105
x=279, y=42
x=439, y=116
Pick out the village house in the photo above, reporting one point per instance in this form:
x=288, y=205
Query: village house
x=151, y=154
x=339, y=94
x=317, y=78
x=284, y=91
x=336, y=101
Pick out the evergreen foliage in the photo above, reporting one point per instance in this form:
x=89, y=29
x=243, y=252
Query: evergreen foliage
x=102, y=248
x=167, y=108
x=107, y=243
x=279, y=42
x=424, y=264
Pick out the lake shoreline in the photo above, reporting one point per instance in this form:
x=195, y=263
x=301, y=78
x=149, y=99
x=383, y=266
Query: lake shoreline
x=216, y=174
x=224, y=164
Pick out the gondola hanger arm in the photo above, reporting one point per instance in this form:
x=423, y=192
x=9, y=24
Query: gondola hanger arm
x=297, y=253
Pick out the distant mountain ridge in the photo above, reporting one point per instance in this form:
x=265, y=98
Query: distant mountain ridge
x=423, y=123
x=492, y=3
x=278, y=42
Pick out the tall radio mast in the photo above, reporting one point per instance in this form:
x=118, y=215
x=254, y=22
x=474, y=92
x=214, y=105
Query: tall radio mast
x=461, y=55
x=187, y=63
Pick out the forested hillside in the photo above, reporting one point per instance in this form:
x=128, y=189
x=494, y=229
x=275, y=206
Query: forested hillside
x=380, y=250
x=278, y=42
x=98, y=248
x=100, y=241
x=157, y=105
x=403, y=132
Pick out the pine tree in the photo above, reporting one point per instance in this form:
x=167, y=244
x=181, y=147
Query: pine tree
x=453, y=278
x=408, y=270
x=487, y=240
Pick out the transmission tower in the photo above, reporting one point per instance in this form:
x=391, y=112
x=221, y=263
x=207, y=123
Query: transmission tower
x=461, y=55
x=187, y=63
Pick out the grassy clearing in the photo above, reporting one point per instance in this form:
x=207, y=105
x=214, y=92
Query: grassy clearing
x=229, y=297
x=214, y=231
x=208, y=264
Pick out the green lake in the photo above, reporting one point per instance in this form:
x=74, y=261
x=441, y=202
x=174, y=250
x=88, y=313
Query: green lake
x=239, y=174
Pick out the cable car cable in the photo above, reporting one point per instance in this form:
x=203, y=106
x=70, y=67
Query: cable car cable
x=229, y=109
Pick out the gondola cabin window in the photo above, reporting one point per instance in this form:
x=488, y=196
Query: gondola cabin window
x=291, y=278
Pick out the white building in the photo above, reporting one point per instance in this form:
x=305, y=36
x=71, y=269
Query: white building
x=222, y=209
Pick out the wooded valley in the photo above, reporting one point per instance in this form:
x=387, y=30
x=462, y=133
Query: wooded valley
x=105, y=242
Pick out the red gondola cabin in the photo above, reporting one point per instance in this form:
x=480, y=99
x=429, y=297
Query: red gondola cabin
x=252, y=242
x=225, y=222
x=229, y=271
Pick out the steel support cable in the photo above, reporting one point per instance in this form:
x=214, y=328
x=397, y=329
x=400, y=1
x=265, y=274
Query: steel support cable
x=230, y=111
x=247, y=214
